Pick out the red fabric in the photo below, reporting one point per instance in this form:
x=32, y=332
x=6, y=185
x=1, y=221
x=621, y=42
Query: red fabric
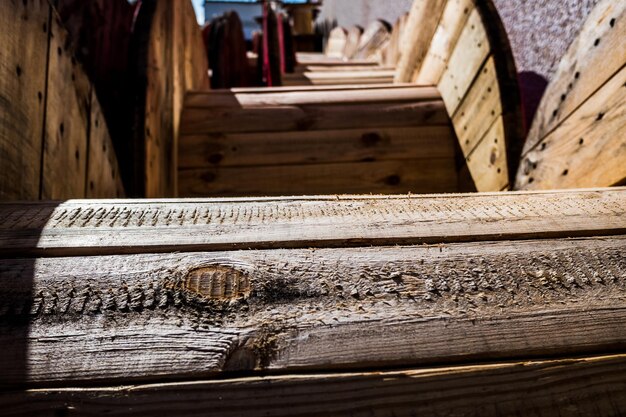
x=267, y=73
x=281, y=44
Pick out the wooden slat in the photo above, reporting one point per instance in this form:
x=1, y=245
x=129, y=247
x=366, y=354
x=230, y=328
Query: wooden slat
x=452, y=22
x=391, y=54
x=329, y=146
x=467, y=58
x=338, y=68
x=313, y=117
x=420, y=27
x=479, y=110
x=23, y=58
x=580, y=387
x=279, y=97
x=340, y=77
x=108, y=227
x=373, y=39
x=103, y=172
x=587, y=149
x=377, y=177
x=352, y=42
x=487, y=162
x=155, y=317
x=336, y=42
x=264, y=90
x=64, y=169
x=595, y=56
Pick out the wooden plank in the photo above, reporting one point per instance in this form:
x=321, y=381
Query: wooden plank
x=23, y=60
x=337, y=77
x=275, y=97
x=64, y=170
x=588, y=148
x=315, y=58
x=479, y=109
x=339, y=68
x=111, y=227
x=373, y=39
x=336, y=42
x=103, y=172
x=452, y=22
x=352, y=42
x=468, y=57
x=391, y=54
x=363, y=177
x=264, y=90
x=312, y=117
x=581, y=386
x=594, y=57
x=328, y=146
x=487, y=162
x=420, y=27
x=186, y=316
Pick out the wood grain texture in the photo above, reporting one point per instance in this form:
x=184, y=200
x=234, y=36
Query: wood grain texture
x=112, y=227
x=64, y=169
x=487, y=162
x=580, y=387
x=420, y=28
x=281, y=97
x=329, y=146
x=181, y=316
x=420, y=176
x=594, y=57
x=103, y=172
x=312, y=117
x=468, y=57
x=586, y=149
x=23, y=61
x=455, y=14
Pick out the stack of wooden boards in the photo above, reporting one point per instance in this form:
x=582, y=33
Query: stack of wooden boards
x=482, y=304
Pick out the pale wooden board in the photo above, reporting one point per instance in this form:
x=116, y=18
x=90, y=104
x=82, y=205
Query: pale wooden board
x=23, y=58
x=64, y=169
x=391, y=54
x=452, y=22
x=468, y=57
x=184, y=316
x=336, y=42
x=328, y=146
x=479, y=109
x=265, y=90
x=280, y=97
x=337, y=68
x=420, y=176
x=312, y=117
x=593, y=58
x=587, y=149
x=139, y=226
x=352, y=43
x=487, y=162
x=581, y=387
x=315, y=58
x=103, y=179
x=373, y=39
x=420, y=28
x=295, y=80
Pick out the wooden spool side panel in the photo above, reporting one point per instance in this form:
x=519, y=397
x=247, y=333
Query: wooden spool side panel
x=352, y=42
x=420, y=28
x=336, y=42
x=375, y=37
x=103, y=173
x=64, y=170
x=586, y=149
x=594, y=57
x=23, y=59
x=176, y=63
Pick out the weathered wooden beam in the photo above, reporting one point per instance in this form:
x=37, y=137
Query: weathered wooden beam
x=151, y=317
x=580, y=387
x=374, y=76
x=118, y=226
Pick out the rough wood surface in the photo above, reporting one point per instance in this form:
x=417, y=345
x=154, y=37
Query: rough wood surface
x=579, y=387
x=420, y=176
x=487, y=162
x=594, y=57
x=64, y=169
x=586, y=149
x=154, y=317
x=109, y=227
x=23, y=65
x=330, y=146
x=420, y=28
x=445, y=38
